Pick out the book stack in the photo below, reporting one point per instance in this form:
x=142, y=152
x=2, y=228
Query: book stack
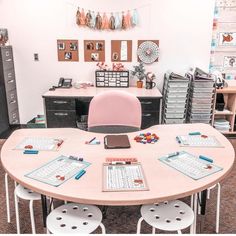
x=222, y=125
x=175, y=93
x=201, y=97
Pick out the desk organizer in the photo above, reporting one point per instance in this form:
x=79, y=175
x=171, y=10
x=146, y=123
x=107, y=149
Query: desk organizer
x=112, y=79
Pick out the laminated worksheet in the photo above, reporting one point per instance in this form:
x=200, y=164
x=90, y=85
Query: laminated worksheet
x=198, y=141
x=59, y=170
x=190, y=165
x=123, y=177
x=40, y=144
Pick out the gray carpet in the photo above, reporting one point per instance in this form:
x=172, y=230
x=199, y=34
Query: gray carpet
x=123, y=220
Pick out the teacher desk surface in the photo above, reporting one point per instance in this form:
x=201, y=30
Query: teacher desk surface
x=164, y=182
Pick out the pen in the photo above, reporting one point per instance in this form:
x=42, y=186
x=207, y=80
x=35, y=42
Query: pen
x=80, y=174
x=173, y=154
x=206, y=158
x=194, y=133
x=120, y=162
x=31, y=152
x=60, y=143
x=178, y=140
x=92, y=140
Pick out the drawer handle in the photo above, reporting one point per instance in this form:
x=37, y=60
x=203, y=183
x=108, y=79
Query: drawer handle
x=12, y=102
x=60, y=102
x=60, y=114
x=10, y=81
x=14, y=121
x=147, y=115
x=146, y=103
x=9, y=59
x=9, y=75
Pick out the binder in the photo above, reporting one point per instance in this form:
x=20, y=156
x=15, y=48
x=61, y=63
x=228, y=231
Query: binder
x=116, y=141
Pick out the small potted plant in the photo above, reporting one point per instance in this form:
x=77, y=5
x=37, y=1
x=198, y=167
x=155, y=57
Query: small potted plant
x=139, y=72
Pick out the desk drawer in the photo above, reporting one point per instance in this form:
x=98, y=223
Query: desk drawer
x=12, y=103
x=60, y=104
x=149, y=119
x=150, y=104
x=7, y=57
x=61, y=119
x=9, y=77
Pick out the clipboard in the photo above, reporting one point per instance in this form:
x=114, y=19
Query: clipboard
x=116, y=141
x=123, y=177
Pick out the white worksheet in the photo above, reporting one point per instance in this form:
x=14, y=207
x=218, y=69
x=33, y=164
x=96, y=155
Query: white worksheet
x=124, y=51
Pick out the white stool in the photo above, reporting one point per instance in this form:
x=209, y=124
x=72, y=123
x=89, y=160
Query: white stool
x=75, y=218
x=168, y=216
x=26, y=194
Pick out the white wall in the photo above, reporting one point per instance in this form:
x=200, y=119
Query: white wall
x=182, y=26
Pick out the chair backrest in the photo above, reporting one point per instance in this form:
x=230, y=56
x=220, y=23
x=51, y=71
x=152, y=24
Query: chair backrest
x=114, y=112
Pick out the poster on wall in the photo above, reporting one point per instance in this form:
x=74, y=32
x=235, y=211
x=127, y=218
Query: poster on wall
x=227, y=39
x=230, y=62
x=67, y=50
x=94, y=50
x=121, y=50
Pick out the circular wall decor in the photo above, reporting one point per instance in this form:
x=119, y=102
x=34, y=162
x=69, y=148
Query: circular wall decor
x=148, y=52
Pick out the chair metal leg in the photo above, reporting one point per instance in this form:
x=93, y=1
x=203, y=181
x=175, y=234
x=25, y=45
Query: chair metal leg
x=139, y=225
x=179, y=232
x=218, y=208
x=103, y=228
x=194, y=225
x=17, y=214
x=191, y=201
x=32, y=216
x=7, y=199
x=153, y=230
x=199, y=204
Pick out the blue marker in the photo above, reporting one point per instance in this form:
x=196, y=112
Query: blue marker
x=194, y=133
x=206, y=158
x=31, y=152
x=80, y=174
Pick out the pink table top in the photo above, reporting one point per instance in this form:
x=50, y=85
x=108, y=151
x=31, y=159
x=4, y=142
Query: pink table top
x=164, y=182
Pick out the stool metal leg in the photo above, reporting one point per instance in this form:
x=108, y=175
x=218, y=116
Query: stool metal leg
x=179, y=232
x=153, y=230
x=7, y=199
x=32, y=216
x=208, y=193
x=139, y=225
x=218, y=208
x=103, y=228
x=194, y=225
x=17, y=214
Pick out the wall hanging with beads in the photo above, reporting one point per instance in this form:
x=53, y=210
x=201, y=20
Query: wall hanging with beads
x=94, y=50
x=148, y=51
x=107, y=20
x=121, y=50
x=67, y=50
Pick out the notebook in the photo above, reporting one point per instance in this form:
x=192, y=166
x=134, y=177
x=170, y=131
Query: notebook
x=116, y=141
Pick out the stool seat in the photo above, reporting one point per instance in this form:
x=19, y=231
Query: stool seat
x=74, y=218
x=26, y=194
x=169, y=216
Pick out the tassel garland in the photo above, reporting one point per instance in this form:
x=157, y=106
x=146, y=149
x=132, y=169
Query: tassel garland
x=107, y=21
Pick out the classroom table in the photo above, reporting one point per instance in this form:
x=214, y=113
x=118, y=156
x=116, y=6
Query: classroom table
x=164, y=182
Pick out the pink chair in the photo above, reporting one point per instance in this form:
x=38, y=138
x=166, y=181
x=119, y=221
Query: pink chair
x=114, y=112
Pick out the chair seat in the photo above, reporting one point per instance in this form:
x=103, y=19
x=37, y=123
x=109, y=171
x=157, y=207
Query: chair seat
x=26, y=194
x=169, y=216
x=74, y=218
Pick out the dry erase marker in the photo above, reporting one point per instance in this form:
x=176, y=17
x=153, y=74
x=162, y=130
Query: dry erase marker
x=80, y=174
x=173, y=154
x=194, y=133
x=31, y=152
x=206, y=158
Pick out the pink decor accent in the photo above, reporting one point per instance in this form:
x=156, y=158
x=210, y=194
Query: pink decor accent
x=114, y=108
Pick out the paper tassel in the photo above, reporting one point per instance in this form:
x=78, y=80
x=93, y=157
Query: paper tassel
x=98, y=24
x=134, y=18
x=112, y=22
x=123, y=24
x=93, y=20
x=82, y=17
x=105, y=22
x=128, y=20
x=78, y=15
x=117, y=21
x=88, y=19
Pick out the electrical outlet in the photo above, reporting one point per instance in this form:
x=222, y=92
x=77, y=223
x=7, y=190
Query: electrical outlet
x=36, y=56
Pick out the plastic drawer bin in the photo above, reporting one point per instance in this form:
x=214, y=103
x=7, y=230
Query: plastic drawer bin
x=32, y=124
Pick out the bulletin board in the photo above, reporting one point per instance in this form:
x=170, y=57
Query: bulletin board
x=142, y=41
x=94, y=50
x=121, y=50
x=67, y=50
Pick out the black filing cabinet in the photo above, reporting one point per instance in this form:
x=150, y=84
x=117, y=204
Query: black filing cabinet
x=9, y=114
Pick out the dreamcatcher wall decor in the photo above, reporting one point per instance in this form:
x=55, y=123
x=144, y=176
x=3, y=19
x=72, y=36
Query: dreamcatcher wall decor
x=107, y=21
x=148, y=51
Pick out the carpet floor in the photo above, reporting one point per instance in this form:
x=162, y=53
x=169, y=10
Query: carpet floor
x=123, y=220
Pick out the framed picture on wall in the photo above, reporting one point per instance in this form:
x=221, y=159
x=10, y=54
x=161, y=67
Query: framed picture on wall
x=94, y=50
x=67, y=50
x=121, y=50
